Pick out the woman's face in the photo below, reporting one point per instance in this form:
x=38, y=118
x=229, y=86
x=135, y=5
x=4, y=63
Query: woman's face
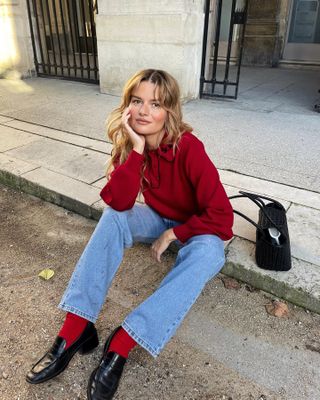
x=147, y=116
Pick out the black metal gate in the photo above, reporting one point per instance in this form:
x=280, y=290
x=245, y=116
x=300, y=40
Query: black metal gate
x=64, y=38
x=223, y=38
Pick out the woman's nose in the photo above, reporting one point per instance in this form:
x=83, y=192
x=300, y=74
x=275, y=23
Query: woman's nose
x=144, y=109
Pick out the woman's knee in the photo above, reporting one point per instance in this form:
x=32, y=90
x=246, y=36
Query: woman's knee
x=208, y=250
x=112, y=214
x=113, y=221
x=112, y=217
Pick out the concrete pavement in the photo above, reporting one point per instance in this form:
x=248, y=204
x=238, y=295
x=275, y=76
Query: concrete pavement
x=66, y=166
x=271, y=131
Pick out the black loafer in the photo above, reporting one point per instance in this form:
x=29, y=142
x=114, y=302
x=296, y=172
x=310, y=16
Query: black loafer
x=57, y=358
x=104, y=380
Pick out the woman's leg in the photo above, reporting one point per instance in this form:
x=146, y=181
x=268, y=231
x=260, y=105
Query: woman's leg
x=103, y=254
x=89, y=285
x=155, y=321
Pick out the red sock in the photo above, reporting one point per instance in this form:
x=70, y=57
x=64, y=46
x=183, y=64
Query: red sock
x=72, y=328
x=122, y=343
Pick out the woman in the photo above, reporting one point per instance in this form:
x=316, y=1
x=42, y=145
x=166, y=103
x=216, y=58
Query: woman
x=154, y=153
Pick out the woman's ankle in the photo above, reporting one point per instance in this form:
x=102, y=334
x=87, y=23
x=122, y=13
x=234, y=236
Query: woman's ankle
x=72, y=328
x=122, y=343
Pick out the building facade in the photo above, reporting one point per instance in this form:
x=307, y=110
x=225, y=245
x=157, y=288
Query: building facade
x=106, y=41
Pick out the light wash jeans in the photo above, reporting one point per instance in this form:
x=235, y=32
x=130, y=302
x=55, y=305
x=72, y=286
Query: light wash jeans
x=154, y=321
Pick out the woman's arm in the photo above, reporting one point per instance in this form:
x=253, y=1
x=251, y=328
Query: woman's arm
x=215, y=214
x=123, y=187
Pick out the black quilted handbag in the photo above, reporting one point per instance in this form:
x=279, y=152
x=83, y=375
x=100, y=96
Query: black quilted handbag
x=272, y=235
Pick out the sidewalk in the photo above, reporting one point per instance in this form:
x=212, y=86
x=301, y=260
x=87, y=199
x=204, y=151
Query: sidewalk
x=68, y=169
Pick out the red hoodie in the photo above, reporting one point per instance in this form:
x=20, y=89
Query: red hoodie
x=184, y=187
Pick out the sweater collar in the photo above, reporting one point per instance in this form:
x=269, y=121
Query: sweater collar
x=165, y=150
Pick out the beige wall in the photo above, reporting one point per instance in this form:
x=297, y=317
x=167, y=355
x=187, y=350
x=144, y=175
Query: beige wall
x=15, y=47
x=137, y=34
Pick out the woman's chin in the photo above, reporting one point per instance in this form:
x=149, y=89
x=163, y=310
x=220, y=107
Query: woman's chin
x=141, y=131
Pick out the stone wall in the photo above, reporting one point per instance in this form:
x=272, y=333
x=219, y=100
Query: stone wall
x=137, y=34
x=265, y=32
x=16, y=55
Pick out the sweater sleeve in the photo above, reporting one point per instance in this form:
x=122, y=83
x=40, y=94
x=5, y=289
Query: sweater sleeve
x=122, y=189
x=215, y=214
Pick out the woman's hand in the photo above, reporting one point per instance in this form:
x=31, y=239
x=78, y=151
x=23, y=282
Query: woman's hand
x=162, y=243
x=138, y=141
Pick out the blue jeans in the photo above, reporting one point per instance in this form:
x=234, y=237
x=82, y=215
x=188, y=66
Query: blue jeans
x=154, y=321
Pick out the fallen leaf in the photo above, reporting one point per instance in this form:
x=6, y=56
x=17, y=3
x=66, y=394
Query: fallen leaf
x=46, y=274
x=230, y=283
x=277, y=309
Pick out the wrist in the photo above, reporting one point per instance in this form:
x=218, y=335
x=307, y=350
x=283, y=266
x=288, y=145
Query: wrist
x=138, y=149
x=170, y=235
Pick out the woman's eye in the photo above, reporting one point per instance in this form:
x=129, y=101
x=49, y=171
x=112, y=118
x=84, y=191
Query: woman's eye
x=135, y=101
x=155, y=105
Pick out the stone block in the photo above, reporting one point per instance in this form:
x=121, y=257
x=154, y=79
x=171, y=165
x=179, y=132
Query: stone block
x=12, y=138
x=272, y=189
x=100, y=183
x=261, y=29
x=4, y=119
x=19, y=55
x=14, y=165
x=165, y=40
x=155, y=29
x=263, y=9
x=77, y=140
x=122, y=62
x=304, y=223
x=149, y=7
x=61, y=190
x=72, y=161
x=300, y=285
x=259, y=50
x=97, y=209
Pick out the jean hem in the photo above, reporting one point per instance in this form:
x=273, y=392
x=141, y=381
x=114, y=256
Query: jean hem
x=75, y=311
x=140, y=341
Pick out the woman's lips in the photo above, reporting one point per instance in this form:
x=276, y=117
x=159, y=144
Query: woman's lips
x=142, y=122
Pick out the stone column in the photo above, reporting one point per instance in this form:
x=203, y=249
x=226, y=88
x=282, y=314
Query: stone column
x=261, y=45
x=16, y=55
x=138, y=34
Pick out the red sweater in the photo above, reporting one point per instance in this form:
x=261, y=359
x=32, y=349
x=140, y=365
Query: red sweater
x=184, y=187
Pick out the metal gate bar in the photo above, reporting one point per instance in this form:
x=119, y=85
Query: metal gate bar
x=226, y=75
x=236, y=17
x=63, y=37
x=217, y=40
x=72, y=38
x=93, y=39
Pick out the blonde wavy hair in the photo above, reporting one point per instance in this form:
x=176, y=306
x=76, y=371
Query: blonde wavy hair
x=169, y=99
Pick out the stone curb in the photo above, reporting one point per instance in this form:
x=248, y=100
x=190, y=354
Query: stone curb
x=238, y=270
x=279, y=289
x=292, y=285
x=25, y=185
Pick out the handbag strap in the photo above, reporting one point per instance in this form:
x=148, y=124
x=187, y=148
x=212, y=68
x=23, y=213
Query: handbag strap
x=257, y=199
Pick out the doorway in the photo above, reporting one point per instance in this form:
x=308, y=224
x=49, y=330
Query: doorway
x=303, y=38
